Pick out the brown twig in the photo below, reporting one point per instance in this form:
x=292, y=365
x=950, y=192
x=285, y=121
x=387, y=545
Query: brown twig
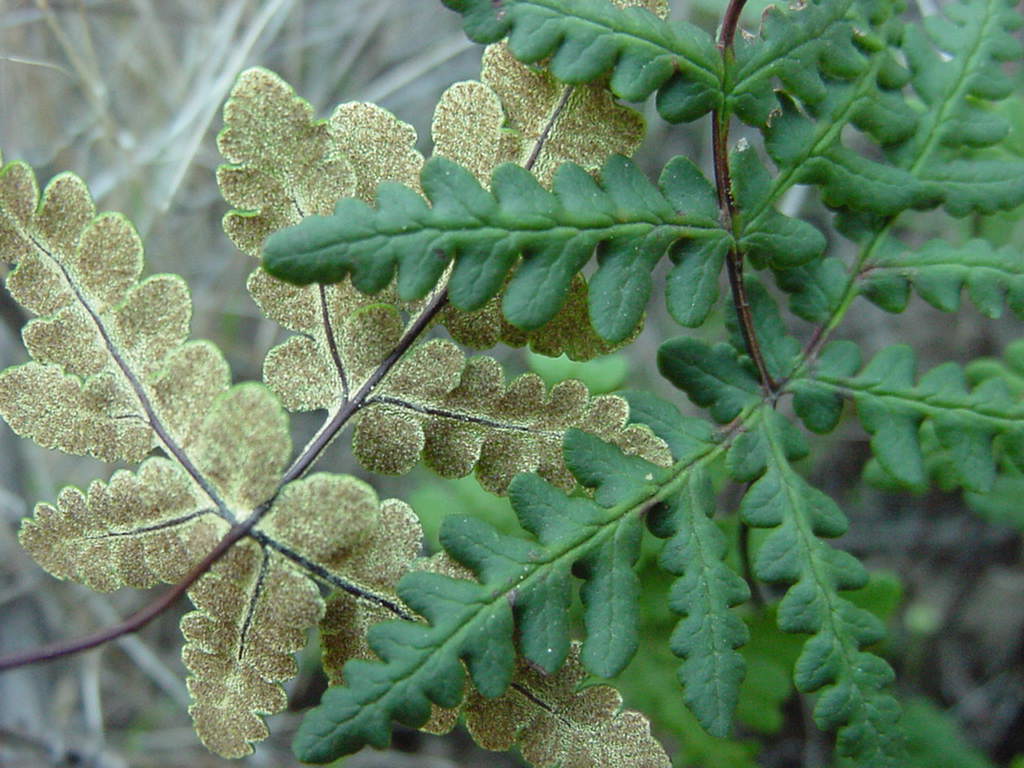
x=727, y=209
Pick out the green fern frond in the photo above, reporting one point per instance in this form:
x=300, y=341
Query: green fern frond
x=549, y=717
x=708, y=636
x=586, y=38
x=713, y=377
x=485, y=232
x=521, y=582
x=520, y=114
x=850, y=682
x=939, y=270
x=892, y=405
x=957, y=62
x=802, y=46
x=569, y=332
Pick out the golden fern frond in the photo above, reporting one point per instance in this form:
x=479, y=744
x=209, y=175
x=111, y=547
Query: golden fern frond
x=283, y=164
x=461, y=414
x=579, y=726
x=113, y=376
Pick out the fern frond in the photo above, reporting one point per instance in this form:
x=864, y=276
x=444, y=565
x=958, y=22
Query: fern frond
x=520, y=582
x=584, y=728
x=713, y=377
x=113, y=376
x=957, y=62
x=810, y=151
x=342, y=337
x=461, y=414
x=485, y=232
x=939, y=270
x=768, y=236
x=137, y=530
x=546, y=716
x=569, y=332
x=801, y=46
x=282, y=164
x=586, y=38
x=522, y=115
x=253, y=609
x=708, y=636
x=892, y=405
x=850, y=682
x=100, y=330
x=457, y=415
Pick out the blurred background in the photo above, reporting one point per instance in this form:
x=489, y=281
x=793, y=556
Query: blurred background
x=128, y=94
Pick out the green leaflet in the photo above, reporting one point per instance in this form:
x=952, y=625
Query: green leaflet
x=892, y=405
x=955, y=127
x=628, y=219
x=586, y=38
x=939, y=270
x=815, y=290
x=769, y=237
x=849, y=681
x=799, y=45
x=809, y=151
x=713, y=377
x=718, y=377
x=521, y=114
x=707, y=588
x=996, y=503
x=522, y=583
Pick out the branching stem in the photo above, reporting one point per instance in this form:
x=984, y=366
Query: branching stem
x=727, y=209
x=240, y=530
